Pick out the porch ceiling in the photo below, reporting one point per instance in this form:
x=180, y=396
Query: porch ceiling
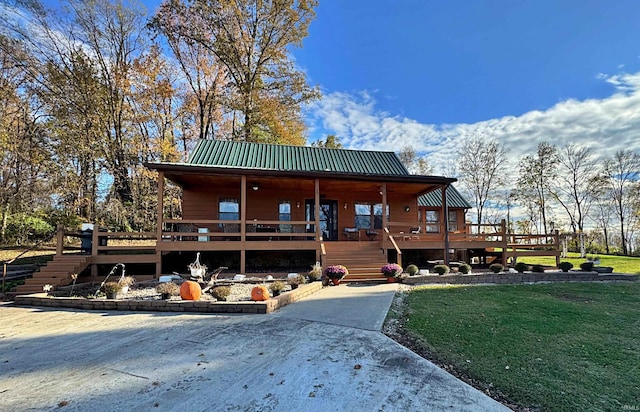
x=302, y=184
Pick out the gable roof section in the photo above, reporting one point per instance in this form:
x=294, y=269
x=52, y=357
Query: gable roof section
x=434, y=199
x=260, y=156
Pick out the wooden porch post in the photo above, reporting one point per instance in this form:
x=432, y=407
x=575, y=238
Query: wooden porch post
x=556, y=239
x=445, y=218
x=385, y=222
x=160, y=223
x=503, y=229
x=243, y=225
x=317, y=207
x=316, y=213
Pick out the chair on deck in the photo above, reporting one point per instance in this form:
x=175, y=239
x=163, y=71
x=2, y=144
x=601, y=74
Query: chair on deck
x=351, y=233
x=415, y=233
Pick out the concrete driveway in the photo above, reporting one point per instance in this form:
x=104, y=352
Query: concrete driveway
x=315, y=355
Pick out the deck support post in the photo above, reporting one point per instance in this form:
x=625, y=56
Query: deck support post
x=243, y=224
x=503, y=229
x=317, y=208
x=60, y=240
x=445, y=220
x=385, y=223
x=160, y=223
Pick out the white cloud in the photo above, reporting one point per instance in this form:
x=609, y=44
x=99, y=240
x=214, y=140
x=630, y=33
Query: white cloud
x=606, y=124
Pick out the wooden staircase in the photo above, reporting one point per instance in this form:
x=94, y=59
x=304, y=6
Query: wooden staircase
x=56, y=273
x=362, y=259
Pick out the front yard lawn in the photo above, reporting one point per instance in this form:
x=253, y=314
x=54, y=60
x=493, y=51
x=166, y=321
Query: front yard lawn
x=556, y=347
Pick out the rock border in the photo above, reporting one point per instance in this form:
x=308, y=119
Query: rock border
x=515, y=278
x=245, y=307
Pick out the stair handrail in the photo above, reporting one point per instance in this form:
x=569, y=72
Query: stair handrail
x=395, y=245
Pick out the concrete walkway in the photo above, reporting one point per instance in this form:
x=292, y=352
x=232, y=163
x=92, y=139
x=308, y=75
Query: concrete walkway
x=324, y=353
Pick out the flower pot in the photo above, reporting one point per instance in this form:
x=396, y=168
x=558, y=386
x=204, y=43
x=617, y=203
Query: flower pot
x=294, y=286
x=391, y=279
x=275, y=293
x=335, y=282
x=111, y=295
x=165, y=296
x=198, y=272
x=124, y=289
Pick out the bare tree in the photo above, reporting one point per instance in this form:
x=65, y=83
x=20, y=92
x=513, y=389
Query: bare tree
x=575, y=187
x=621, y=175
x=415, y=164
x=535, y=177
x=482, y=166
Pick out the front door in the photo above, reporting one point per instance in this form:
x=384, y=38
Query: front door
x=328, y=217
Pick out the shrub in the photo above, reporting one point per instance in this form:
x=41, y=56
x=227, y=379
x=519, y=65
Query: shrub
x=496, y=268
x=587, y=266
x=277, y=286
x=315, y=273
x=221, y=292
x=22, y=229
x=464, y=269
x=412, y=270
x=441, y=269
x=565, y=266
x=168, y=287
x=296, y=281
x=537, y=269
x=521, y=267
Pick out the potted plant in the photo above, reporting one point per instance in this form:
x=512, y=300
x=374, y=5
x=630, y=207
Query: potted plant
x=277, y=287
x=125, y=282
x=335, y=273
x=168, y=289
x=391, y=271
x=565, y=266
x=537, y=269
x=441, y=269
x=221, y=293
x=111, y=289
x=496, y=267
x=315, y=273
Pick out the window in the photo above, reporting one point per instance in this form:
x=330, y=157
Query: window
x=228, y=209
x=432, y=220
x=284, y=211
x=453, y=221
x=363, y=215
x=369, y=216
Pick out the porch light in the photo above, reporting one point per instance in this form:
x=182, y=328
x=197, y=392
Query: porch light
x=255, y=186
x=407, y=208
x=298, y=205
x=345, y=205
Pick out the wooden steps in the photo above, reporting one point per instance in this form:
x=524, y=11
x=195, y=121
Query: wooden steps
x=362, y=259
x=56, y=273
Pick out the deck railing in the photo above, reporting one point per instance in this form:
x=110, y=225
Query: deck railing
x=230, y=230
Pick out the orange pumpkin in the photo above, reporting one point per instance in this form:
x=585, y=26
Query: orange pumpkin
x=190, y=290
x=259, y=293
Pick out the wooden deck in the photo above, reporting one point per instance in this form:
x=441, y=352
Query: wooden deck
x=363, y=255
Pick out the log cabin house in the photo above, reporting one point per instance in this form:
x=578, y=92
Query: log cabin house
x=260, y=208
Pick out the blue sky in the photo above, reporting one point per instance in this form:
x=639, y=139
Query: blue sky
x=429, y=73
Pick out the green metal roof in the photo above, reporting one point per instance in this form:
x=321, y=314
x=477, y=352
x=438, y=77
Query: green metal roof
x=434, y=199
x=260, y=156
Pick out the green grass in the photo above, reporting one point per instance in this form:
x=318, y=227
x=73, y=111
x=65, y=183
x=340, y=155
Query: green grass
x=33, y=257
x=557, y=347
x=620, y=264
